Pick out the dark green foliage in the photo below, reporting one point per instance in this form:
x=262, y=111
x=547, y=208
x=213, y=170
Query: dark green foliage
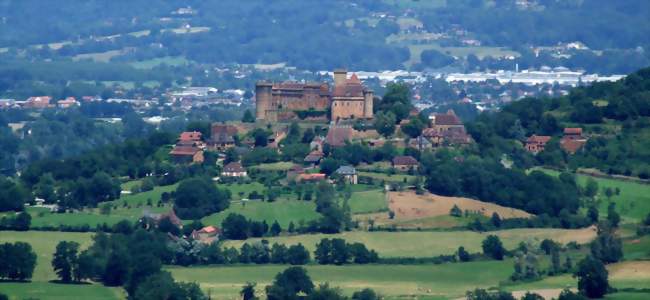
x=65, y=260
x=260, y=156
x=13, y=196
x=297, y=255
x=569, y=295
x=18, y=261
x=275, y=229
x=19, y=222
x=463, y=255
x=612, y=215
x=493, y=247
x=198, y=197
x=248, y=291
x=435, y=59
x=235, y=227
x=161, y=285
x=548, y=245
x=456, y=212
x=414, y=127
x=325, y=292
x=384, y=123
x=481, y=294
x=532, y=296
x=607, y=247
x=592, y=214
x=337, y=251
x=365, y=294
x=592, y=277
x=248, y=117
x=288, y=284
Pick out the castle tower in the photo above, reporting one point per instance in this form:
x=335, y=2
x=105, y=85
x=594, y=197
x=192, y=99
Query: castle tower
x=340, y=77
x=368, y=98
x=262, y=99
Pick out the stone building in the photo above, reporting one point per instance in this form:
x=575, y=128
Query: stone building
x=347, y=99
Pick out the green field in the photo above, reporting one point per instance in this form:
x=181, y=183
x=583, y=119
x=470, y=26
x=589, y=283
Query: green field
x=633, y=203
x=246, y=188
x=368, y=201
x=284, y=211
x=44, y=244
x=426, y=243
x=439, y=281
x=136, y=203
x=173, y=61
x=387, y=177
x=278, y=166
x=479, y=51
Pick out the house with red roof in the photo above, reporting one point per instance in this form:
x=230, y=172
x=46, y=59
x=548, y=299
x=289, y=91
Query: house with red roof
x=405, y=163
x=536, y=143
x=234, y=169
x=38, y=102
x=573, y=140
x=206, y=235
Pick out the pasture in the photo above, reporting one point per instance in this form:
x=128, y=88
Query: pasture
x=633, y=202
x=44, y=244
x=429, y=244
x=387, y=177
x=368, y=201
x=393, y=281
x=284, y=211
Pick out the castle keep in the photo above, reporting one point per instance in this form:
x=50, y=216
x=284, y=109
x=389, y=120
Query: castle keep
x=348, y=99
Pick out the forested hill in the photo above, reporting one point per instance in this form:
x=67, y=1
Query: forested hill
x=615, y=117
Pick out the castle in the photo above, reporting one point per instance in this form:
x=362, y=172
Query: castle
x=348, y=99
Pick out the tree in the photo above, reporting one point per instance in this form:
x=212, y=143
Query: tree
x=289, y=283
x=570, y=295
x=612, y=216
x=456, y=212
x=607, y=247
x=297, y=255
x=22, y=221
x=463, y=255
x=592, y=277
x=18, y=261
x=65, y=261
x=235, y=227
x=495, y=220
x=198, y=197
x=493, y=247
x=547, y=246
x=13, y=196
x=323, y=252
x=248, y=117
x=325, y=292
x=532, y=296
x=275, y=229
x=248, y=291
x=161, y=285
x=365, y=294
x=592, y=214
x=591, y=190
x=414, y=127
x=384, y=123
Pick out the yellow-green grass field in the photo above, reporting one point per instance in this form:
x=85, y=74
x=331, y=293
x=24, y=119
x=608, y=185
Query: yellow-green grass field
x=44, y=244
x=633, y=203
x=387, y=177
x=278, y=166
x=246, y=188
x=368, y=201
x=433, y=243
x=446, y=281
x=136, y=203
x=284, y=211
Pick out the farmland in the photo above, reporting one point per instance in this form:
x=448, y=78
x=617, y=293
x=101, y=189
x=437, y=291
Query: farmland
x=428, y=244
x=284, y=211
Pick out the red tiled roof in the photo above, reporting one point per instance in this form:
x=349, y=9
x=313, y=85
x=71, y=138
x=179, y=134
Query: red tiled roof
x=234, y=167
x=190, y=136
x=405, y=161
x=223, y=129
x=447, y=119
x=184, y=150
x=209, y=229
x=337, y=136
x=573, y=130
x=543, y=139
x=572, y=146
x=318, y=176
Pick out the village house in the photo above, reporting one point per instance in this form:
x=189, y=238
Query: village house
x=294, y=172
x=338, y=136
x=314, y=157
x=187, y=154
x=206, y=235
x=348, y=173
x=311, y=177
x=536, y=143
x=446, y=129
x=443, y=122
x=317, y=143
x=573, y=140
x=150, y=219
x=223, y=137
x=405, y=163
x=38, y=102
x=234, y=169
x=67, y=102
x=420, y=143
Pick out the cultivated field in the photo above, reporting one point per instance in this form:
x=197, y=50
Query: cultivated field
x=428, y=244
x=408, y=205
x=284, y=211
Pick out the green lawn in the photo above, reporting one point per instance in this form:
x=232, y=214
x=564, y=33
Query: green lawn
x=426, y=243
x=633, y=203
x=368, y=201
x=440, y=281
x=245, y=188
x=54, y=291
x=387, y=177
x=136, y=203
x=278, y=166
x=284, y=211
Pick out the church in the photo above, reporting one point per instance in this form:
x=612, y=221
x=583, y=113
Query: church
x=347, y=99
